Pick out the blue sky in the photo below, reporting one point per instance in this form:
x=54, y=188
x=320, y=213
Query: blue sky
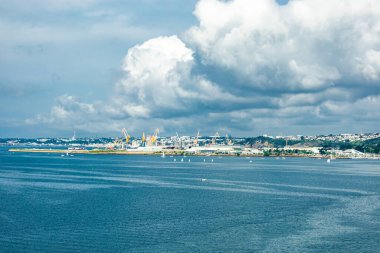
x=242, y=67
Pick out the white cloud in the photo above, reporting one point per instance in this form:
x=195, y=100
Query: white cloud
x=370, y=65
x=305, y=44
x=308, y=63
x=156, y=73
x=66, y=110
x=159, y=78
x=312, y=76
x=362, y=109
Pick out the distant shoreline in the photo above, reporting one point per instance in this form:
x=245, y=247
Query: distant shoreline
x=155, y=153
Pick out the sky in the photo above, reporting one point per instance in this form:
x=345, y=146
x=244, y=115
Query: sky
x=240, y=67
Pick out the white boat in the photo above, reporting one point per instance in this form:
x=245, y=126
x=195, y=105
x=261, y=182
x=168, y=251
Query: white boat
x=163, y=155
x=329, y=159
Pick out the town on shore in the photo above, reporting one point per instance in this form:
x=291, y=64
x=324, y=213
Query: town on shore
x=354, y=146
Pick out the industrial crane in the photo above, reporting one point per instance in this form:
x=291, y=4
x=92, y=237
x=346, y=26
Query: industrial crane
x=153, y=138
x=143, y=139
x=196, y=140
x=117, y=142
x=126, y=135
x=178, y=140
x=228, y=140
x=213, y=141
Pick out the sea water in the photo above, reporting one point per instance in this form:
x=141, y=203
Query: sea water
x=111, y=203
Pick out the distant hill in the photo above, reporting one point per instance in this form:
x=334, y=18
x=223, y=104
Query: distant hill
x=369, y=146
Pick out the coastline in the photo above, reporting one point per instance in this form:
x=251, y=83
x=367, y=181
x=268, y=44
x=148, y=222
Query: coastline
x=155, y=153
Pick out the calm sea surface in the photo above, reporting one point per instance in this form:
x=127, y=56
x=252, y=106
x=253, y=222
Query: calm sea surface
x=95, y=203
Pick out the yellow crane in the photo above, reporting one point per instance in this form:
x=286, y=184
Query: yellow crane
x=143, y=139
x=126, y=135
x=153, y=138
x=196, y=140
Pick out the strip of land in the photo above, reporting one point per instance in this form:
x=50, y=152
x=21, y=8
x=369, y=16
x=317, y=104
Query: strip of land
x=166, y=153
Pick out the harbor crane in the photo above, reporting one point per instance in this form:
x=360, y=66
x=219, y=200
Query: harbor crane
x=143, y=139
x=153, y=138
x=196, y=140
x=214, y=138
x=126, y=135
x=178, y=140
x=117, y=143
x=228, y=141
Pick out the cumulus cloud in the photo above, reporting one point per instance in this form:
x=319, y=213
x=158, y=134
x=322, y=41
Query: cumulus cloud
x=159, y=81
x=304, y=45
x=252, y=66
x=370, y=65
x=66, y=109
x=157, y=73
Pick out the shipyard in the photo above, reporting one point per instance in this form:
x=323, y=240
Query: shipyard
x=342, y=146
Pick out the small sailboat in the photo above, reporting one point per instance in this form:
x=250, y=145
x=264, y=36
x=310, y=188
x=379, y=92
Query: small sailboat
x=329, y=159
x=163, y=155
x=182, y=160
